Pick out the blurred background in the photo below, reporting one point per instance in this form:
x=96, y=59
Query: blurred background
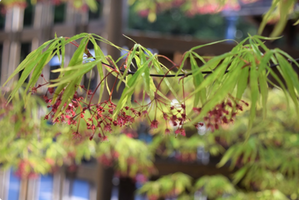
x=172, y=30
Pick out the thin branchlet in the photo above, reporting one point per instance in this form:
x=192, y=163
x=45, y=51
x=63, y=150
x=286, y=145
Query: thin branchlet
x=185, y=74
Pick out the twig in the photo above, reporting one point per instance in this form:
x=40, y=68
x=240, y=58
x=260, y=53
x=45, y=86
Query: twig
x=187, y=74
x=171, y=75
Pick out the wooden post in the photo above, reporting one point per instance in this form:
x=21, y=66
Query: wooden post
x=104, y=182
x=76, y=17
x=92, y=191
x=32, y=189
x=43, y=21
x=61, y=185
x=4, y=182
x=114, y=19
x=12, y=47
x=113, y=12
x=77, y=20
x=126, y=190
x=23, y=189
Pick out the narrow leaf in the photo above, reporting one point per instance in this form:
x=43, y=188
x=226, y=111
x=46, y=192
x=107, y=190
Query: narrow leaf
x=197, y=80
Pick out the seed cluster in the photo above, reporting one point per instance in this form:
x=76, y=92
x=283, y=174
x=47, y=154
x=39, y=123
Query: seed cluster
x=97, y=117
x=26, y=169
x=100, y=118
x=222, y=113
x=176, y=116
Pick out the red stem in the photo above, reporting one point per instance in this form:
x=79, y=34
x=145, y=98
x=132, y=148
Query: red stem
x=98, y=87
x=112, y=88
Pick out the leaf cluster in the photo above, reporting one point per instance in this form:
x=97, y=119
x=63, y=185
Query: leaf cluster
x=167, y=186
x=247, y=65
x=32, y=145
x=265, y=164
x=279, y=12
x=77, y=3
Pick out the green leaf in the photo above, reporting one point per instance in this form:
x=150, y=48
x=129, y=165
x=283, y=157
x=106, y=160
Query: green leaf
x=255, y=48
x=254, y=91
x=267, y=16
x=92, y=5
x=99, y=54
x=146, y=74
x=220, y=94
x=250, y=151
x=220, y=70
x=225, y=158
x=78, y=70
x=147, y=82
x=186, y=55
x=289, y=69
x=281, y=84
x=159, y=70
x=38, y=70
x=209, y=44
x=244, y=75
x=62, y=53
x=264, y=91
x=290, y=78
x=30, y=60
x=76, y=37
x=284, y=9
x=36, y=61
x=243, y=82
x=76, y=59
x=296, y=23
x=240, y=174
x=68, y=95
x=197, y=80
x=130, y=57
x=26, y=72
x=199, y=57
x=129, y=90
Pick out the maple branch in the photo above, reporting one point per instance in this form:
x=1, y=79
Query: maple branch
x=187, y=74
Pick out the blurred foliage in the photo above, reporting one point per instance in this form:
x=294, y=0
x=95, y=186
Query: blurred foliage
x=168, y=186
x=175, y=22
x=189, y=7
x=32, y=146
x=215, y=186
x=185, y=149
x=28, y=138
x=129, y=156
x=279, y=12
x=179, y=12
x=264, y=157
x=79, y=4
x=264, y=165
x=262, y=146
x=259, y=147
x=218, y=96
x=268, y=158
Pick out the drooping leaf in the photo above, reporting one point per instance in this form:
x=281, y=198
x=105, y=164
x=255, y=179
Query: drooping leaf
x=76, y=71
x=129, y=89
x=254, y=94
x=29, y=60
x=197, y=80
x=76, y=59
x=290, y=78
x=284, y=10
x=262, y=79
x=99, y=54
